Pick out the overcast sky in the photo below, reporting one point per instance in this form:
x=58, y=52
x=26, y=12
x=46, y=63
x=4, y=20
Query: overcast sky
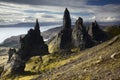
x=17, y=11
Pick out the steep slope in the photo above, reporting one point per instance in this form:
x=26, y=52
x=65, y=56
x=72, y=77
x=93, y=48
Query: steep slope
x=101, y=62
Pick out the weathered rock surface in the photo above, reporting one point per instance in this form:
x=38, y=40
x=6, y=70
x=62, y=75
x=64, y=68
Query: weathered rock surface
x=30, y=45
x=80, y=36
x=64, y=38
x=96, y=33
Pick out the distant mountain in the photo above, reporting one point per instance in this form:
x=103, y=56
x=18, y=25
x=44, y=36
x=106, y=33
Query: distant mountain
x=50, y=33
x=13, y=41
x=30, y=24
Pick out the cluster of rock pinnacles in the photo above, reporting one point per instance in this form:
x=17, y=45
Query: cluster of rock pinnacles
x=32, y=44
x=78, y=36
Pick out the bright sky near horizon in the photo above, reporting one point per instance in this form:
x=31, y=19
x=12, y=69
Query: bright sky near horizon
x=17, y=11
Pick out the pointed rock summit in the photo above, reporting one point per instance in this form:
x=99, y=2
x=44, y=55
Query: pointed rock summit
x=96, y=33
x=66, y=19
x=64, y=38
x=66, y=33
x=37, y=25
x=80, y=37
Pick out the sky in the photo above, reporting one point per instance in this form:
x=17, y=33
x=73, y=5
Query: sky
x=17, y=11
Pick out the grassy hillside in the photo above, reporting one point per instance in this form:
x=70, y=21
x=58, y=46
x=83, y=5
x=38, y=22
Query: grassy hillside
x=101, y=62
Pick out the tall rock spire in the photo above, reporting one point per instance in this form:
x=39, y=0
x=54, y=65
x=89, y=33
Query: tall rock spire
x=63, y=39
x=66, y=19
x=37, y=25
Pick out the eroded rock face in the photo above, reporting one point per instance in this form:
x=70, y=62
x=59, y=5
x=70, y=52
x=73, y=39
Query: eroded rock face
x=96, y=33
x=17, y=64
x=30, y=45
x=66, y=19
x=80, y=36
x=65, y=34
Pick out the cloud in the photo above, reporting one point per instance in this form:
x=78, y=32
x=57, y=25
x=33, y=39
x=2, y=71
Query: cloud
x=52, y=11
x=48, y=2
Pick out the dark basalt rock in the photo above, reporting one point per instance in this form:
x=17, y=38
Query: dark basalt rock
x=66, y=19
x=63, y=39
x=96, y=33
x=80, y=36
x=65, y=35
x=31, y=44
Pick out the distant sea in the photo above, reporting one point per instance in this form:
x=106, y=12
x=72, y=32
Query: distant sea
x=14, y=31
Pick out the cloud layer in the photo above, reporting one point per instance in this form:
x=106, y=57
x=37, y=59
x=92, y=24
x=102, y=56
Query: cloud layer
x=17, y=11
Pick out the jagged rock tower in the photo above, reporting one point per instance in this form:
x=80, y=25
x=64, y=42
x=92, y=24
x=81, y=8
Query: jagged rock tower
x=66, y=33
x=66, y=19
x=80, y=37
x=96, y=33
x=64, y=38
x=33, y=44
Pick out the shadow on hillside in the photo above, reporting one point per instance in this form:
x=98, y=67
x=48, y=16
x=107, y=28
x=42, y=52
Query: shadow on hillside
x=28, y=73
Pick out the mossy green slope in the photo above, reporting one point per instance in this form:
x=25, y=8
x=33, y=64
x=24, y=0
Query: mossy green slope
x=101, y=62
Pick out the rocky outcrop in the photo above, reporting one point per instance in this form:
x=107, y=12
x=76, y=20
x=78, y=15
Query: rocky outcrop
x=64, y=38
x=31, y=44
x=66, y=19
x=81, y=38
x=66, y=33
x=96, y=33
x=10, y=54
